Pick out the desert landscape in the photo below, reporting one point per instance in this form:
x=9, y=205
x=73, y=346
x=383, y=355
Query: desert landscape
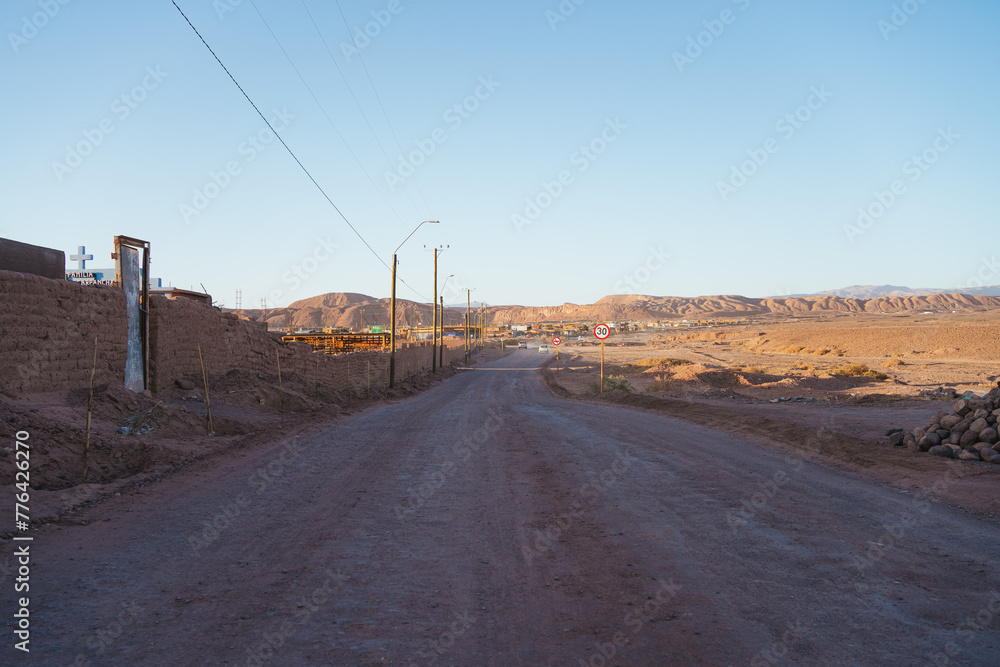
x=851, y=380
x=500, y=334
x=741, y=413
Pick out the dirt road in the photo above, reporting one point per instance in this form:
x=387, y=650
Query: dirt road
x=487, y=522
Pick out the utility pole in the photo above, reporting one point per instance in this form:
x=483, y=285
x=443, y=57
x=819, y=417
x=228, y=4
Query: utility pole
x=434, y=335
x=441, y=318
x=468, y=308
x=362, y=320
x=434, y=325
x=392, y=328
x=392, y=308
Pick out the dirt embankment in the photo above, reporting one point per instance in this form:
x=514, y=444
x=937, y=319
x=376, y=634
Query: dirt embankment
x=848, y=433
x=136, y=439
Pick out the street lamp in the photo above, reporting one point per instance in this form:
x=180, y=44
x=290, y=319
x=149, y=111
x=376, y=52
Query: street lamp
x=441, y=320
x=392, y=307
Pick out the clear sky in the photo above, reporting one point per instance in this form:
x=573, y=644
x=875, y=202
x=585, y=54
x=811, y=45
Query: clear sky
x=597, y=147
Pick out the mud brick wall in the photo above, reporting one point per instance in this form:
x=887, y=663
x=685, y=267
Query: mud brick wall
x=27, y=258
x=178, y=327
x=228, y=343
x=47, y=330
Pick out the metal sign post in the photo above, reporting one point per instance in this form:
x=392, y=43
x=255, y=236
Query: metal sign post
x=557, y=341
x=602, y=331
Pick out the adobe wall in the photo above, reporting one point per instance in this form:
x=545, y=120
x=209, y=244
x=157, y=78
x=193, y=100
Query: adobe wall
x=34, y=259
x=47, y=330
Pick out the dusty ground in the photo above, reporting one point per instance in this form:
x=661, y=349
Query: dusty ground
x=486, y=521
x=727, y=378
x=918, y=353
x=168, y=431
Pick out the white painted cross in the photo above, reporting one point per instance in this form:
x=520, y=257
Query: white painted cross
x=81, y=258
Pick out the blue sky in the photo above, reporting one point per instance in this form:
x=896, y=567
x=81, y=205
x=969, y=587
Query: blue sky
x=683, y=148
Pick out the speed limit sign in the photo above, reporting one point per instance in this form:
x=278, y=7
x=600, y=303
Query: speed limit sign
x=602, y=331
x=557, y=341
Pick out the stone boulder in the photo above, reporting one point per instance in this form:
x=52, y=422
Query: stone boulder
x=989, y=435
x=979, y=425
x=949, y=421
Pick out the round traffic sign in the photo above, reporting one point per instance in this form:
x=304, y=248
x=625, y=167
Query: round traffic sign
x=557, y=341
x=602, y=331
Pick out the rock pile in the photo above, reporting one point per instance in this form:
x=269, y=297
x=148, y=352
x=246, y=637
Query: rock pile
x=968, y=433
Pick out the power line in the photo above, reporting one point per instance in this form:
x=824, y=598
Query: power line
x=323, y=109
x=268, y=123
x=379, y=98
x=287, y=148
x=378, y=141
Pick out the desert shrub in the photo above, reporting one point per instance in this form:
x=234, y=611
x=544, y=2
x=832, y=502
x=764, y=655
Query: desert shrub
x=802, y=366
x=750, y=369
x=892, y=361
x=821, y=351
x=650, y=362
x=612, y=383
x=661, y=383
x=617, y=383
x=857, y=370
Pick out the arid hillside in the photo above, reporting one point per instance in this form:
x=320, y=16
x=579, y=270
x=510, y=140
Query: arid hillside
x=637, y=307
x=349, y=310
x=346, y=309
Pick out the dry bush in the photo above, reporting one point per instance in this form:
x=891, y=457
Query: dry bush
x=857, y=370
x=821, y=351
x=892, y=361
x=749, y=369
x=650, y=362
x=802, y=366
x=660, y=383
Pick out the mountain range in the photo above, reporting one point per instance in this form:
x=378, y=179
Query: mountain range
x=875, y=291
x=351, y=310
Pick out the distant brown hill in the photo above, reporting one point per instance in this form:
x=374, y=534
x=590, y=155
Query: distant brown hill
x=875, y=291
x=638, y=307
x=347, y=309
x=350, y=310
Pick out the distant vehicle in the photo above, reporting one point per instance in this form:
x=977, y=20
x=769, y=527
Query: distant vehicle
x=522, y=345
x=544, y=349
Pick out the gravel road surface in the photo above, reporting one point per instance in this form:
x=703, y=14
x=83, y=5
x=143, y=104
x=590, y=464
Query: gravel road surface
x=488, y=522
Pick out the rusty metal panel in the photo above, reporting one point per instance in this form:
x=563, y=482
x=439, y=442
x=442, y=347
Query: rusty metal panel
x=131, y=282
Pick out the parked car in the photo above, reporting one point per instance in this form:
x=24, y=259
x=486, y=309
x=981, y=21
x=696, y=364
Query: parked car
x=522, y=345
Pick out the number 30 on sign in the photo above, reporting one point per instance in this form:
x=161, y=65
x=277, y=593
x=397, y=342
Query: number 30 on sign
x=602, y=331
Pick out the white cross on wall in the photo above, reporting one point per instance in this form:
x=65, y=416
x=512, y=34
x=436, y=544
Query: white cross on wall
x=81, y=258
